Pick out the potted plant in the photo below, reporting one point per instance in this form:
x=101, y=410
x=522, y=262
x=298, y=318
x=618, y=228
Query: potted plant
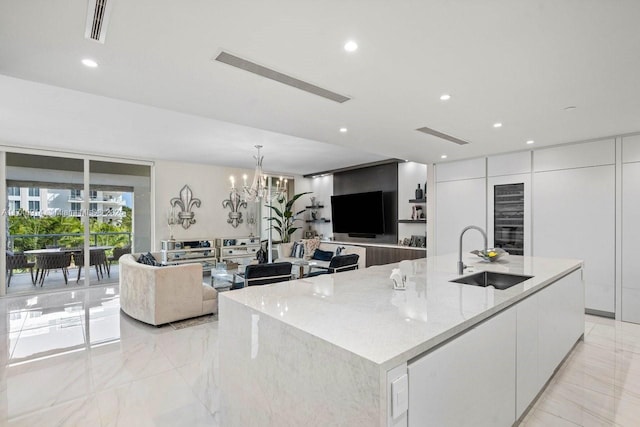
x=283, y=218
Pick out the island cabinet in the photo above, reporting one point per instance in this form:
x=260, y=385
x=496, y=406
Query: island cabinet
x=469, y=380
x=490, y=374
x=348, y=349
x=548, y=325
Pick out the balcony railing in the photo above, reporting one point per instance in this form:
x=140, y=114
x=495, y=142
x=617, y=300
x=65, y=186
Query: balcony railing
x=25, y=242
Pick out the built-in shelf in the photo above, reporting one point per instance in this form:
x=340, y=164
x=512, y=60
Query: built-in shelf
x=418, y=200
x=412, y=221
x=315, y=207
x=319, y=220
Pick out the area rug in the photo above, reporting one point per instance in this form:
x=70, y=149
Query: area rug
x=194, y=322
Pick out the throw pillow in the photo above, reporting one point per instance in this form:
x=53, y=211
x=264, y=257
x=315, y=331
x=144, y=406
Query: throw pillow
x=321, y=255
x=148, y=259
x=310, y=246
x=297, y=250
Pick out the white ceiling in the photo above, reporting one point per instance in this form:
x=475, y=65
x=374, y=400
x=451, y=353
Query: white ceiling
x=513, y=61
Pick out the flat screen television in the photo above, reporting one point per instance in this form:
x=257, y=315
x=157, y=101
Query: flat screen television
x=358, y=214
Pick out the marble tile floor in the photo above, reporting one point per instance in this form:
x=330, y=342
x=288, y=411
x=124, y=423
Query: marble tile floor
x=73, y=359
x=598, y=384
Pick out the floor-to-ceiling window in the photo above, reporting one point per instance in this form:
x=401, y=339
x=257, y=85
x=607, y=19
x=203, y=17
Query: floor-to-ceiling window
x=68, y=219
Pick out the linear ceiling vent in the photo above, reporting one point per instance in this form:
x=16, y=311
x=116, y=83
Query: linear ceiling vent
x=98, y=12
x=252, y=67
x=442, y=135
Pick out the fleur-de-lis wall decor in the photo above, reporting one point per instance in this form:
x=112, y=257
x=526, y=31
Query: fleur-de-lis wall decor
x=234, y=202
x=186, y=202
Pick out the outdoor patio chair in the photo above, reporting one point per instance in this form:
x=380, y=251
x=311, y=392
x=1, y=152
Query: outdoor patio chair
x=52, y=261
x=97, y=258
x=18, y=260
x=117, y=253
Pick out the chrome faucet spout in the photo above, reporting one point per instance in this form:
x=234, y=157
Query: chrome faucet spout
x=461, y=265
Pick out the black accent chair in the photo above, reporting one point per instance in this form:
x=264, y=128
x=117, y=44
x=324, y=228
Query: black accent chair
x=337, y=264
x=16, y=261
x=52, y=261
x=264, y=274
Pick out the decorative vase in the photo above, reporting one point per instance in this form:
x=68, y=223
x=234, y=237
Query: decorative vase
x=419, y=193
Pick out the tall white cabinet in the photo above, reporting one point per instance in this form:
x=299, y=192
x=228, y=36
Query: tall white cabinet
x=574, y=213
x=630, y=229
x=461, y=200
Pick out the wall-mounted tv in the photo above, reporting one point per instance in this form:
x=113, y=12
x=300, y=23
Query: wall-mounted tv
x=358, y=213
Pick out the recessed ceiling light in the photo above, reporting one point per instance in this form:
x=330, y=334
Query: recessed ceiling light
x=570, y=108
x=343, y=130
x=531, y=141
x=497, y=125
x=445, y=97
x=351, y=46
x=444, y=156
x=89, y=63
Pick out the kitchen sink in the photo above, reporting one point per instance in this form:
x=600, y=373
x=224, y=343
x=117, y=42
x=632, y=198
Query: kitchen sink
x=489, y=278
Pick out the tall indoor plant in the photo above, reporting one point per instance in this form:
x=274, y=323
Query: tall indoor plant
x=283, y=218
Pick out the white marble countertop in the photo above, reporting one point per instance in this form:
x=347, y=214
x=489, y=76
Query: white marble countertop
x=362, y=313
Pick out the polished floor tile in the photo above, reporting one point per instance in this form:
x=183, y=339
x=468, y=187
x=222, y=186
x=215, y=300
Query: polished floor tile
x=73, y=359
x=599, y=383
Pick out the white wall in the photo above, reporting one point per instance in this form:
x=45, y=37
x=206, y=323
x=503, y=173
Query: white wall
x=208, y=183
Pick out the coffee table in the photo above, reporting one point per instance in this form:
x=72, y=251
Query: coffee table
x=223, y=280
x=301, y=264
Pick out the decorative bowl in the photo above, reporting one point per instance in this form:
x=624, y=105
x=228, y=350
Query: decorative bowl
x=491, y=255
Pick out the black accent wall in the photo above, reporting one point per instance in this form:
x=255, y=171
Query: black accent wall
x=373, y=178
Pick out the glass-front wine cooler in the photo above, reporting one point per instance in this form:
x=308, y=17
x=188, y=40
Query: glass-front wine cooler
x=508, y=218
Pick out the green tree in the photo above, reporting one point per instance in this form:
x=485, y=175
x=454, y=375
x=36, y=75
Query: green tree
x=71, y=227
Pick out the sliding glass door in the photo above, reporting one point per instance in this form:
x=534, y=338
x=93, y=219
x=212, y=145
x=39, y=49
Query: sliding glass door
x=68, y=220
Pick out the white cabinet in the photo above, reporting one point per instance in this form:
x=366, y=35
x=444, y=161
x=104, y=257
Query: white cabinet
x=459, y=204
x=574, y=217
x=630, y=241
x=469, y=380
x=571, y=156
x=509, y=164
x=548, y=325
x=463, y=169
x=560, y=321
x=528, y=381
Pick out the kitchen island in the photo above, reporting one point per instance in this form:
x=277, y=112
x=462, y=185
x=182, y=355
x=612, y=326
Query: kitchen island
x=348, y=349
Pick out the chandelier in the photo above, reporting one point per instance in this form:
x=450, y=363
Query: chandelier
x=259, y=189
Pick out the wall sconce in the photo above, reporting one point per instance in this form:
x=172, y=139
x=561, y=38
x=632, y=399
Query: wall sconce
x=186, y=202
x=234, y=202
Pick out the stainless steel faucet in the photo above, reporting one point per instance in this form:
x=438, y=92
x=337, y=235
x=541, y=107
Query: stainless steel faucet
x=461, y=265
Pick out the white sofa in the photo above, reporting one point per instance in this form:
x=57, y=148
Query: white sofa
x=284, y=254
x=158, y=295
